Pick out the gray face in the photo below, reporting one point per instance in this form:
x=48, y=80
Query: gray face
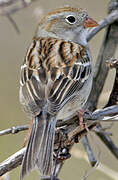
x=66, y=21
x=64, y=25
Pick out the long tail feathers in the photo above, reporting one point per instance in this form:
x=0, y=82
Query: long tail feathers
x=39, y=152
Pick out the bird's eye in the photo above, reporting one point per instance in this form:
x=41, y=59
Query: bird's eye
x=70, y=19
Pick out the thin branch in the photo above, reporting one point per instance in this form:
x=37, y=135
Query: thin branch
x=13, y=23
x=98, y=115
x=16, y=159
x=12, y=162
x=102, y=24
x=6, y=3
x=107, y=141
x=101, y=71
x=101, y=167
x=71, y=131
x=12, y=6
x=14, y=130
x=88, y=149
x=108, y=111
x=113, y=99
x=9, y=7
x=106, y=114
x=112, y=63
x=103, y=130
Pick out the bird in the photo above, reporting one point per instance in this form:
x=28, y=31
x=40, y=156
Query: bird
x=55, y=81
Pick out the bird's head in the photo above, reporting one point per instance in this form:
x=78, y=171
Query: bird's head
x=66, y=23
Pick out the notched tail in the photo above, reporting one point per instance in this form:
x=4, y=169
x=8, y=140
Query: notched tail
x=39, y=152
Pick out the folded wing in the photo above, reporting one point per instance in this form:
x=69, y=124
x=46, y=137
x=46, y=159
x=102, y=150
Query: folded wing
x=53, y=73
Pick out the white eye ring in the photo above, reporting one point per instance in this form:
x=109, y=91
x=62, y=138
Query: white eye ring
x=71, y=19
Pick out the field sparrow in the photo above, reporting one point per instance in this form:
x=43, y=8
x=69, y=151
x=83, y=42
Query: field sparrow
x=56, y=79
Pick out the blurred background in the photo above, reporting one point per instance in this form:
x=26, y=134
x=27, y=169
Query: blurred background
x=13, y=47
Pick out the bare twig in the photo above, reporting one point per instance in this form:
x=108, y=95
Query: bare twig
x=16, y=159
x=12, y=162
x=14, y=130
x=113, y=99
x=101, y=167
x=113, y=16
x=71, y=130
x=106, y=114
x=88, y=149
x=98, y=115
x=112, y=63
x=13, y=23
x=12, y=6
x=108, y=111
x=9, y=7
x=101, y=71
x=107, y=141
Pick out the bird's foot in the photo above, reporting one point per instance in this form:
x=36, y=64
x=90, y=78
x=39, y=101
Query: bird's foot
x=80, y=116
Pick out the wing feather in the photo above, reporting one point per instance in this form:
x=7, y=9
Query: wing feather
x=55, y=74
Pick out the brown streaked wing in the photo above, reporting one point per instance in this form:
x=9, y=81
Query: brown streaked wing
x=71, y=79
x=59, y=71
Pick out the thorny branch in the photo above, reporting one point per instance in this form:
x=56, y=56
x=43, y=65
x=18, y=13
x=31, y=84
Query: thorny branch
x=72, y=129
